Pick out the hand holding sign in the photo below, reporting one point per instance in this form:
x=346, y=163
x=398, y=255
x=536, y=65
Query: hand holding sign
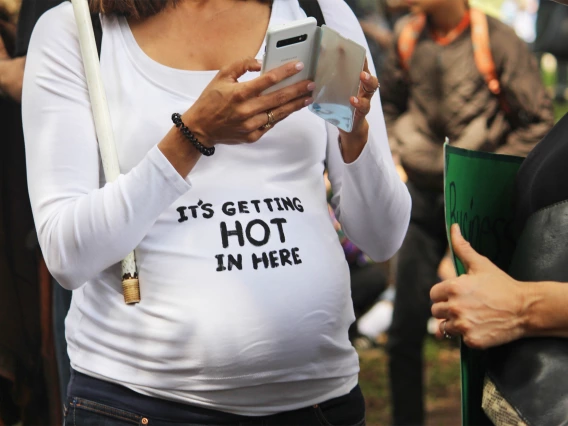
x=485, y=305
x=478, y=189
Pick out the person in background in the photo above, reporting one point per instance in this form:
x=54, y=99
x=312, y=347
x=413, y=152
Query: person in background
x=29, y=390
x=552, y=37
x=437, y=92
x=561, y=90
x=378, y=19
x=519, y=315
x=364, y=11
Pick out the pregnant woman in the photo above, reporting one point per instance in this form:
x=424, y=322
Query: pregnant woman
x=245, y=289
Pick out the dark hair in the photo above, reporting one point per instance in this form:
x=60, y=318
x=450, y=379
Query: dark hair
x=134, y=8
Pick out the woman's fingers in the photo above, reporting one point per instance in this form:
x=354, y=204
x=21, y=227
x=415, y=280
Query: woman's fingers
x=234, y=112
x=362, y=105
x=278, y=114
x=239, y=68
x=367, y=88
x=369, y=83
x=257, y=122
x=260, y=84
x=281, y=97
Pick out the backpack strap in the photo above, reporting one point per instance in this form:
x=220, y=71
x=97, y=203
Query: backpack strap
x=313, y=10
x=483, y=56
x=408, y=39
x=98, y=29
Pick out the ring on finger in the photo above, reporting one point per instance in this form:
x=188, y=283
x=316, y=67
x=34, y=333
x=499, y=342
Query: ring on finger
x=444, y=332
x=271, y=118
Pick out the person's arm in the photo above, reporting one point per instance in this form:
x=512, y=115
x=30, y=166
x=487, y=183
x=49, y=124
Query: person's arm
x=545, y=312
x=489, y=308
x=82, y=228
x=11, y=74
x=370, y=201
x=531, y=113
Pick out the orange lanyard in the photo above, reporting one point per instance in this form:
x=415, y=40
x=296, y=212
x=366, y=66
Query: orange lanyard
x=453, y=34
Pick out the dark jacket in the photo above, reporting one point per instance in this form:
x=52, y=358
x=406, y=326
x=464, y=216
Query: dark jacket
x=444, y=95
x=28, y=381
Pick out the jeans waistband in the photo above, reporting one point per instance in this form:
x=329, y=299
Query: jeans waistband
x=91, y=388
x=112, y=394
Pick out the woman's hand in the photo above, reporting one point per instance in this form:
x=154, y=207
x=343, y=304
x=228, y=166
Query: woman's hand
x=229, y=112
x=486, y=306
x=353, y=143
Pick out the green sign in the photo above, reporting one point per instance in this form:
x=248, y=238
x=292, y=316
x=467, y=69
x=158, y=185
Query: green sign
x=479, y=190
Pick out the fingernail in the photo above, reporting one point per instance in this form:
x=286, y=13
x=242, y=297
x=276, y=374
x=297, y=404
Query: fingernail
x=259, y=61
x=458, y=230
x=308, y=102
x=311, y=86
x=367, y=76
x=355, y=100
x=300, y=66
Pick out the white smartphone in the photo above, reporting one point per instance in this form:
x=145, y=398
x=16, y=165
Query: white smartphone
x=290, y=42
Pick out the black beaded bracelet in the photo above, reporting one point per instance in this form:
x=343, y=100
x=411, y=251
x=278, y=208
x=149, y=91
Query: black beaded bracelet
x=208, y=152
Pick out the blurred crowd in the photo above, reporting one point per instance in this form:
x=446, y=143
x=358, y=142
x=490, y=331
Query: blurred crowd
x=433, y=91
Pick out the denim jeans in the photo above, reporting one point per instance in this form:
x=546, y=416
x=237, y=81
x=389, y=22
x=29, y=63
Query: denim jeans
x=61, y=304
x=348, y=410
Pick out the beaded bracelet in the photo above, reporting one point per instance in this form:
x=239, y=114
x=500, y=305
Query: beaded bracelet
x=208, y=152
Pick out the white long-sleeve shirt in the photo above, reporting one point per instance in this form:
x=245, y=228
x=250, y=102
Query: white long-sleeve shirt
x=245, y=289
